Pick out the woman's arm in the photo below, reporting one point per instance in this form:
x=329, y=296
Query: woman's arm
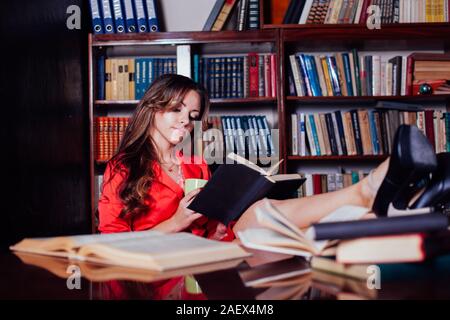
x=110, y=205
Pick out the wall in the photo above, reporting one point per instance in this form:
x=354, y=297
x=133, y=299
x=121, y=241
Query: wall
x=43, y=92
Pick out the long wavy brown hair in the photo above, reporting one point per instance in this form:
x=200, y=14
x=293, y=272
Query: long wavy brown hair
x=137, y=150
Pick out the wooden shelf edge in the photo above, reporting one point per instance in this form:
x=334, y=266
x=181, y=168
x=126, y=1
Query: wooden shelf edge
x=440, y=97
x=356, y=158
x=213, y=101
x=183, y=37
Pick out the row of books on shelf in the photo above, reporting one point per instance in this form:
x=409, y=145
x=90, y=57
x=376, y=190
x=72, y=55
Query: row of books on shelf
x=317, y=183
x=246, y=135
x=108, y=133
x=252, y=75
x=358, y=11
x=124, y=16
x=357, y=74
x=238, y=15
x=363, y=131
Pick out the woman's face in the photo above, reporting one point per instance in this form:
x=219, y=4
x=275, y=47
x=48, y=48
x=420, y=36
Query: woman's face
x=176, y=122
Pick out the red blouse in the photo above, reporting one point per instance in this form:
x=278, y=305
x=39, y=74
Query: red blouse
x=165, y=196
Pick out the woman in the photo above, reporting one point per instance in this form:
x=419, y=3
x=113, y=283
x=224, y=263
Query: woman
x=144, y=180
x=143, y=186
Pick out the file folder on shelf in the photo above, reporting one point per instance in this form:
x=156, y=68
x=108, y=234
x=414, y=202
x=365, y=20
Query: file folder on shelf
x=140, y=15
x=107, y=16
x=152, y=19
x=130, y=21
x=118, y=16
x=96, y=17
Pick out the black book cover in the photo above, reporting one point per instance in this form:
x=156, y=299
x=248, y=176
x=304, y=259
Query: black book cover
x=341, y=132
x=381, y=226
x=298, y=9
x=356, y=132
x=330, y=128
x=289, y=11
x=235, y=187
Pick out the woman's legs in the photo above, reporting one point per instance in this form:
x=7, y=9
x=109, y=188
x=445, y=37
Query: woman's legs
x=304, y=211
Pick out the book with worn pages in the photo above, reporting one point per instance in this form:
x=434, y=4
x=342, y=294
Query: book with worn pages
x=151, y=250
x=235, y=187
x=280, y=235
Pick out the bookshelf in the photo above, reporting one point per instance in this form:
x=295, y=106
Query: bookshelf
x=280, y=40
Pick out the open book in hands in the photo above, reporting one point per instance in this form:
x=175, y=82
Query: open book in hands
x=151, y=250
x=235, y=187
x=281, y=235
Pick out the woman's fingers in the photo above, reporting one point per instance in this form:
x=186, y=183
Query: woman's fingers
x=191, y=195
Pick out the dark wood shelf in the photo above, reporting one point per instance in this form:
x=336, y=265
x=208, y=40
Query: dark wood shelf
x=371, y=99
x=404, y=31
x=355, y=158
x=230, y=101
x=170, y=38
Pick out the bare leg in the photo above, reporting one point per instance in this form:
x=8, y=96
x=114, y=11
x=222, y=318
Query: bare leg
x=304, y=211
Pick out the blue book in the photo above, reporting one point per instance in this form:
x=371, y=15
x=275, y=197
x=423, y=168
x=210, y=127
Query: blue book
x=141, y=19
x=97, y=26
x=108, y=22
x=304, y=74
x=310, y=74
x=196, y=68
x=315, y=75
x=348, y=74
x=315, y=136
x=332, y=69
x=138, y=78
x=373, y=133
x=152, y=19
x=269, y=136
x=130, y=18
x=101, y=78
x=119, y=21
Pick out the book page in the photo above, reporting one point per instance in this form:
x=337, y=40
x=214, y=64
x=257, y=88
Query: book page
x=265, y=239
x=82, y=240
x=344, y=213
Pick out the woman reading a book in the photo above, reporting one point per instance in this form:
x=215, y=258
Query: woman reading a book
x=143, y=182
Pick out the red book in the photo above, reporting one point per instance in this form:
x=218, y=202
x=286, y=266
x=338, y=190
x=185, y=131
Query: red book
x=253, y=74
x=317, y=183
x=273, y=74
x=409, y=74
x=429, y=126
x=267, y=76
x=363, y=18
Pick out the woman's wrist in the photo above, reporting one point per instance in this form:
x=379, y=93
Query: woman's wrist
x=169, y=226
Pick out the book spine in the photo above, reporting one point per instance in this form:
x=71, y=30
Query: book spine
x=253, y=14
x=380, y=227
x=253, y=74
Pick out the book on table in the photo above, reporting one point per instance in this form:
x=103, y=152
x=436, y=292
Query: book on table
x=235, y=187
x=279, y=234
x=151, y=250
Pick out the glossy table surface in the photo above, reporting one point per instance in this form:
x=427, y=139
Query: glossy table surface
x=37, y=277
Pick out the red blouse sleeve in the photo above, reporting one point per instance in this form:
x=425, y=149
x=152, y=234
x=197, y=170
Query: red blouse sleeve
x=110, y=205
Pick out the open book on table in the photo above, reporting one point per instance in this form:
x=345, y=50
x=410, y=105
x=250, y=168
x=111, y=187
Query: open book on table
x=234, y=187
x=281, y=235
x=100, y=272
x=151, y=250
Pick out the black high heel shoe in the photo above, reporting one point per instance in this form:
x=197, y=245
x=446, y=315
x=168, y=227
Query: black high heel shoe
x=411, y=162
x=437, y=192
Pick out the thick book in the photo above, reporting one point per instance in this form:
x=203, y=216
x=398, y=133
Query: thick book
x=412, y=247
x=236, y=186
x=151, y=250
x=279, y=234
x=99, y=273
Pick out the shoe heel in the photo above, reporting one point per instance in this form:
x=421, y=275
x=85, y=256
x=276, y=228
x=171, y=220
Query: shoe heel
x=412, y=159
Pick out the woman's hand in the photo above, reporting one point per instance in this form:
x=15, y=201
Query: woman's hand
x=220, y=233
x=183, y=217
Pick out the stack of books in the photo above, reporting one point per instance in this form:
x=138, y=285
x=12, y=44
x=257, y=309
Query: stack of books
x=356, y=11
x=317, y=183
x=363, y=131
x=236, y=15
x=108, y=132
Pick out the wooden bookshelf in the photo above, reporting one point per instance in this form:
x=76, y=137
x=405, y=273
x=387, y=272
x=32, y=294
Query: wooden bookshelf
x=282, y=39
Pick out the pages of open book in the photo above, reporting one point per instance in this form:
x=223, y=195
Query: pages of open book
x=242, y=160
x=285, y=233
